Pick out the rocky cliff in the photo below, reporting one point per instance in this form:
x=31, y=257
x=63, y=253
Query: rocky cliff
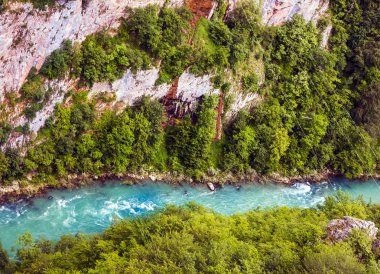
x=28, y=36
x=276, y=12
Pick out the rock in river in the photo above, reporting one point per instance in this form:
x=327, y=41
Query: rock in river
x=211, y=186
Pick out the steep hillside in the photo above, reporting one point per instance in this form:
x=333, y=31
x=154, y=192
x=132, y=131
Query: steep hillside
x=29, y=35
x=77, y=77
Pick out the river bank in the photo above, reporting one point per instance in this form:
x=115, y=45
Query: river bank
x=26, y=189
x=93, y=208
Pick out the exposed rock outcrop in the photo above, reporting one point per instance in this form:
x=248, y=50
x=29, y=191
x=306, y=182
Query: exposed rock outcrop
x=340, y=229
x=277, y=12
x=132, y=86
x=326, y=35
x=201, y=8
x=28, y=35
x=211, y=186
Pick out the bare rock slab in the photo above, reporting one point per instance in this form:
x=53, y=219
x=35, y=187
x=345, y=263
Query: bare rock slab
x=340, y=229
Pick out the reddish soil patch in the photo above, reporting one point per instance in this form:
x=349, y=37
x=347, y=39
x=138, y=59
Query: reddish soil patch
x=172, y=94
x=169, y=103
x=220, y=106
x=200, y=8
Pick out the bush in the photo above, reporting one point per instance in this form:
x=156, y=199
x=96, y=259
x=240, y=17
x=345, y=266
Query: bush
x=33, y=89
x=334, y=259
x=250, y=82
x=59, y=61
x=145, y=27
x=5, y=130
x=31, y=111
x=220, y=33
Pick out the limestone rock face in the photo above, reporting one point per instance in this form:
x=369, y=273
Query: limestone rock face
x=28, y=35
x=133, y=86
x=340, y=229
x=277, y=12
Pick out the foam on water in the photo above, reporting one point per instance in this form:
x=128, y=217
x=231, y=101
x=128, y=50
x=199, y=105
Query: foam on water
x=92, y=209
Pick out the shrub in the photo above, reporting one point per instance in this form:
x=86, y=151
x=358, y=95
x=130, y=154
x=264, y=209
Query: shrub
x=33, y=89
x=59, y=61
x=250, y=82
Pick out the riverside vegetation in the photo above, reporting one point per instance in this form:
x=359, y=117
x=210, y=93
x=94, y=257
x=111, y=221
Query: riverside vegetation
x=192, y=239
x=320, y=111
x=320, y=107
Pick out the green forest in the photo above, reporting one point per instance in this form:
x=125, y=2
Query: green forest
x=320, y=109
x=192, y=239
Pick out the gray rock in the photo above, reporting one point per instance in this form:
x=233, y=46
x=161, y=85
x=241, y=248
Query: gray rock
x=211, y=186
x=340, y=229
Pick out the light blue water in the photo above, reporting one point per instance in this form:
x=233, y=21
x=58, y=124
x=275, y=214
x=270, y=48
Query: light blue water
x=92, y=209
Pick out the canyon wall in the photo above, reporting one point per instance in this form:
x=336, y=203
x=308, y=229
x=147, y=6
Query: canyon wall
x=28, y=35
x=276, y=12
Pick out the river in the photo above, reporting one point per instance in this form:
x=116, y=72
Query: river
x=92, y=209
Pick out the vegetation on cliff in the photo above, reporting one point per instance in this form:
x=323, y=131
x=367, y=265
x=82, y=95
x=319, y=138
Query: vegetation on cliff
x=192, y=239
x=319, y=109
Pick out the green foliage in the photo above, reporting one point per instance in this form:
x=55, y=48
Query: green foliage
x=145, y=27
x=294, y=43
x=4, y=165
x=357, y=25
x=164, y=35
x=304, y=123
x=250, y=82
x=341, y=204
x=220, y=34
x=320, y=109
x=12, y=165
x=33, y=89
x=41, y=4
x=58, y=62
x=77, y=142
x=192, y=239
x=246, y=29
x=337, y=258
x=4, y=259
x=5, y=130
x=190, y=141
x=30, y=111
x=175, y=61
x=241, y=143
x=105, y=58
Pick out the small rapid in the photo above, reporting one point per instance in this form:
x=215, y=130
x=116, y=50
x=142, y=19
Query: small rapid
x=92, y=209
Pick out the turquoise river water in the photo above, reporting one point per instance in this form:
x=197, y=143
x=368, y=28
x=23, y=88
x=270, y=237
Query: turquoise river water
x=93, y=209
